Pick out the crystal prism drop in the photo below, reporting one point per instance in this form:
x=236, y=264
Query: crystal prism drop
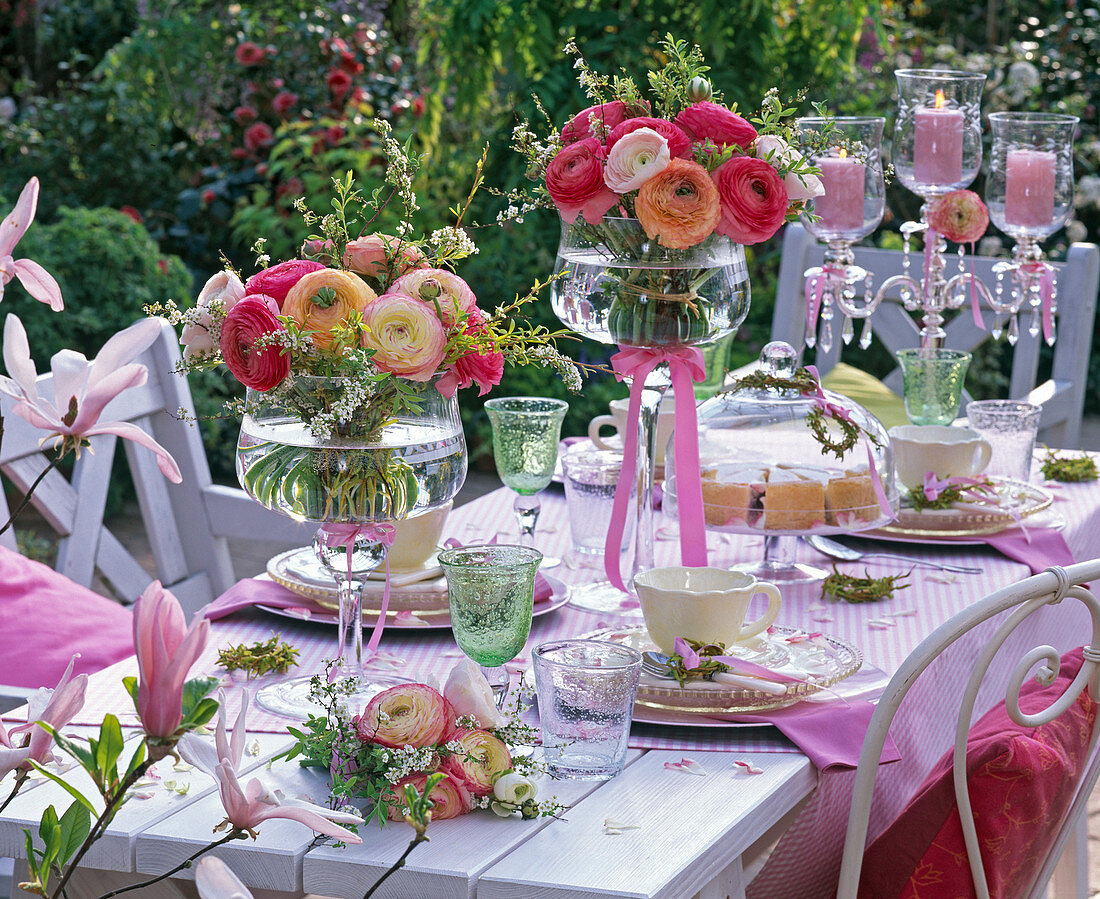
x=825, y=338
x=998, y=327
x=1013, y=330
x=1035, y=326
x=848, y=331
x=1053, y=331
x=811, y=339
x=865, y=335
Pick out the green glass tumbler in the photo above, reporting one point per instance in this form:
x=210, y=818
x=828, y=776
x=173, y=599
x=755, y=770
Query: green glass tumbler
x=933, y=383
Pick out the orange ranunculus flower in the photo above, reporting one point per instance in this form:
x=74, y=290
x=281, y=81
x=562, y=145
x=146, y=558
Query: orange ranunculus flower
x=679, y=205
x=322, y=302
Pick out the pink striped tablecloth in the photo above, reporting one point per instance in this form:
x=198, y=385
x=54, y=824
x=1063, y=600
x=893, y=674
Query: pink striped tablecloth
x=806, y=860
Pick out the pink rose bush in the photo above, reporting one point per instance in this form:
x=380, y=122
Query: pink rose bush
x=616, y=158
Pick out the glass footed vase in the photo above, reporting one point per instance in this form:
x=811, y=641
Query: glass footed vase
x=372, y=467
x=616, y=285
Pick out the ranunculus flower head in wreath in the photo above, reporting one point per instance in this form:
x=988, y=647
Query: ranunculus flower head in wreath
x=960, y=216
x=406, y=715
x=712, y=121
x=382, y=256
x=679, y=144
x=754, y=199
x=406, y=335
x=438, y=287
x=635, y=158
x=254, y=363
x=449, y=798
x=574, y=179
x=595, y=121
x=481, y=760
x=679, y=205
x=277, y=280
x=323, y=302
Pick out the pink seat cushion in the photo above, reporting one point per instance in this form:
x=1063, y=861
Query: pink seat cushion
x=1022, y=781
x=45, y=618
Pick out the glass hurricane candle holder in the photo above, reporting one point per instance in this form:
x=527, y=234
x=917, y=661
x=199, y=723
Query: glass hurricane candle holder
x=851, y=208
x=1030, y=196
x=938, y=130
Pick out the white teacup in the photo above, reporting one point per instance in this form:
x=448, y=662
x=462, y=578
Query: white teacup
x=704, y=604
x=948, y=452
x=617, y=420
x=416, y=538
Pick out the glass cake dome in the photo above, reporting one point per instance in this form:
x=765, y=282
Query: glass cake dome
x=780, y=457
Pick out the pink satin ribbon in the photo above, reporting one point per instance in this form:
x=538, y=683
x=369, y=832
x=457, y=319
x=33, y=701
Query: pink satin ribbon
x=975, y=304
x=345, y=534
x=686, y=366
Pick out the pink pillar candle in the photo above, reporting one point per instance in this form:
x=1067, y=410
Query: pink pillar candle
x=841, y=207
x=938, y=145
x=1029, y=187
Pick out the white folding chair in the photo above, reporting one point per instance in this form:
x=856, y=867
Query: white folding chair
x=1062, y=396
x=1014, y=604
x=187, y=523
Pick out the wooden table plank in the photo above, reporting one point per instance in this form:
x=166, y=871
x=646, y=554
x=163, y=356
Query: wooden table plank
x=692, y=829
x=447, y=866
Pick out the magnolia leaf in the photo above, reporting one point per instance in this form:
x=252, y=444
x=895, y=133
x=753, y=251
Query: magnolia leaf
x=78, y=752
x=131, y=685
x=206, y=709
x=69, y=788
x=194, y=691
x=73, y=828
x=109, y=747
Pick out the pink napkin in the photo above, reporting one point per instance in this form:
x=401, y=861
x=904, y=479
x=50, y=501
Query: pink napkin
x=1045, y=547
x=253, y=591
x=830, y=733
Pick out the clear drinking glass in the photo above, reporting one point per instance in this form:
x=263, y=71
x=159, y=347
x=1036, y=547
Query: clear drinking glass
x=491, y=591
x=933, y=383
x=586, y=692
x=1009, y=427
x=526, y=433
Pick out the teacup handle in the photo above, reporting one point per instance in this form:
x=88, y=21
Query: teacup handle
x=985, y=453
x=765, y=620
x=594, y=430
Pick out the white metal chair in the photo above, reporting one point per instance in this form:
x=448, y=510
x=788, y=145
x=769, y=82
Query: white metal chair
x=187, y=523
x=1015, y=604
x=1062, y=396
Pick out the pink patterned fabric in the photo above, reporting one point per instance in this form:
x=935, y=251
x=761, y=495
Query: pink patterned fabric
x=45, y=618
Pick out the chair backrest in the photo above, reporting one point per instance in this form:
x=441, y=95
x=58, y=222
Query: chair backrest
x=187, y=524
x=1014, y=604
x=1062, y=396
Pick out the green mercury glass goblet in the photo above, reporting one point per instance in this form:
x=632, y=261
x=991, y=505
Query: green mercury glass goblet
x=491, y=590
x=526, y=432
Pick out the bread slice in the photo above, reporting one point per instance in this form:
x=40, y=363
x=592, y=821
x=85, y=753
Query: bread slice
x=731, y=493
x=792, y=503
x=850, y=498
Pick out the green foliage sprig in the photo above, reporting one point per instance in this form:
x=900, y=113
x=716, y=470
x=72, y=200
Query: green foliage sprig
x=707, y=666
x=1069, y=469
x=848, y=588
x=951, y=494
x=257, y=659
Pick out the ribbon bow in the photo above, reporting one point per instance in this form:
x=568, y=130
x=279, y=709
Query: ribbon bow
x=934, y=487
x=338, y=533
x=686, y=366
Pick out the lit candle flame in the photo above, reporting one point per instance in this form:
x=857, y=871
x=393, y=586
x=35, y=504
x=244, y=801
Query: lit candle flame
x=843, y=153
x=940, y=99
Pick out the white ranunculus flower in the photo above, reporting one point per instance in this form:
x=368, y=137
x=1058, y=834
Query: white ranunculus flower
x=199, y=336
x=635, y=158
x=777, y=152
x=514, y=788
x=470, y=694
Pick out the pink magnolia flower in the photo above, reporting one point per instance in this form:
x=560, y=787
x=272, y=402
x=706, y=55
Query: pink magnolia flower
x=228, y=747
x=166, y=649
x=56, y=708
x=82, y=389
x=406, y=335
x=249, y=806
x=214, y=880
x=635, y=158
x=38, y=282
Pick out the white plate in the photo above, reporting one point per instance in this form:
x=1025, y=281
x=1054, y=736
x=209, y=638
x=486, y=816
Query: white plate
x=299, y=568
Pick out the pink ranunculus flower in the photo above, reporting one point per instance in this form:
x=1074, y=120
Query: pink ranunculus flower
x=215, y=880
x=258, y=135
x=753, y=199
x=574, y=180
x=54, y=707
x=244, y=114
x=450, y=798
x=481, y=367
x=679, y=144
x=277, y=280
x=635, y=158
x=406, y=715
x=382, y=256
x=960, y=216
x=470, y=695
x=249, y=53
x=82, y=389
x=38, y=282
x=166, y=649
x=284, y=101
x=406, y=335
x=777, y=152
x=201, y=335
x=707, y=120
x=595, y=121
x=259, y=367
x=481, y=760
x=438, y=286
